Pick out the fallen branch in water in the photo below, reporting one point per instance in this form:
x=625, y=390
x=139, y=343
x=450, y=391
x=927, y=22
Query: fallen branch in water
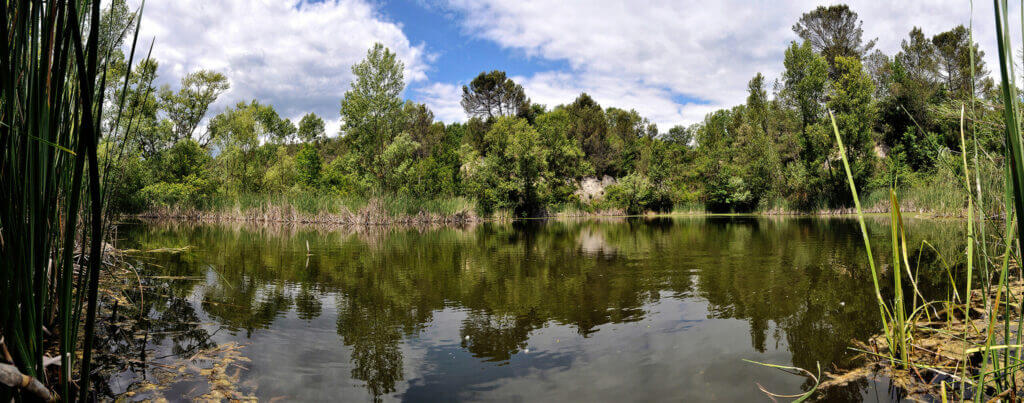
x=10, y=376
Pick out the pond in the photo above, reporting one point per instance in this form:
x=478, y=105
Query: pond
x=589, y=310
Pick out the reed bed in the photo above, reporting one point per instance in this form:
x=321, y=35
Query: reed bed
x=53, y=80
x=967, y=345
x=325, y=210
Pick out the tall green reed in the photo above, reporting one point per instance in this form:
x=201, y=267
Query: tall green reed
x=995, y=377
x=52, y=87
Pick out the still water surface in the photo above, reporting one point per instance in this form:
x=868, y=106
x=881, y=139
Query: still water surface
x=595, y=310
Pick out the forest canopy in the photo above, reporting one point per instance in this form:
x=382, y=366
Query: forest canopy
x=897, y=114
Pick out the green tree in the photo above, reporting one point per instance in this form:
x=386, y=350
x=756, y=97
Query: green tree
x=804, y=83
x=186, y=107
x=492, y=95
x=282, y=174
x=311, y=128
x=307, y=165
x=757, y=101
x=834, y=31
x=372, y=109
x=589, y=127
x=421, y=127
x=626, y=130
x=953, y=51
x=907, y=121
x=854, y=109
x=181, y=176
x=635, y=194
x=398, y=156
x=680, y=135
x=510, y=175
x=237, y=133
x=567, y=164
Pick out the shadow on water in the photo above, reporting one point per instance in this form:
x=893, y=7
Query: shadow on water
x=611, y=309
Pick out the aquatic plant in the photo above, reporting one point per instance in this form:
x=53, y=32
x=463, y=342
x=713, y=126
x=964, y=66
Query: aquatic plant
x=54, y=57
x=981, y=368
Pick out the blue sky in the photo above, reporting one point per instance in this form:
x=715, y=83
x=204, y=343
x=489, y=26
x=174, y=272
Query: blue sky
x=672, y=61
x=459, y=55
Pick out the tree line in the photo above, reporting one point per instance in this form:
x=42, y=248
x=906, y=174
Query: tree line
x=897, y=114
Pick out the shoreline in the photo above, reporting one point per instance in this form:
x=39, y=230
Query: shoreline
x=370, y=216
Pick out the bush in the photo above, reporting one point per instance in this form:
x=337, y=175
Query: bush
x=636, y=194
x=190, y=193
x=307, y=166
x=341, y=177
x=281, y=176
x=509, y=176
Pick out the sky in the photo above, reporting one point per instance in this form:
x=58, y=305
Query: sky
x=671, y=61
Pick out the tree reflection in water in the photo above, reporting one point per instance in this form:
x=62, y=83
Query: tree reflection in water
x=799, y=284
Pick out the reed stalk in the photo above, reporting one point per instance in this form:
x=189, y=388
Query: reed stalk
x=52, y=87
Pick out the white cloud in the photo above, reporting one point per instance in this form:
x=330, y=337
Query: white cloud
x=672, y=61
x=647, y=54
x=295, y=55
x=443, y=99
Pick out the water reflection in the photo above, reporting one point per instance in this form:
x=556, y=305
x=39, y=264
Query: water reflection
x=606, y=309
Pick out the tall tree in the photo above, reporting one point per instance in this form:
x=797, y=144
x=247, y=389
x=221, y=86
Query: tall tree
x=804, y=81
x=851, y=102
x=421, y=126
x=879, y=66
x=757, y=101
x=237, y=132
x=918, y=58
x=186, y=108
x=953, y=50
x=493, y=94
x=626, y=132
x=907, y=121
x=311, y=128
x=372, y=108
x=834, y=31
x=566, y=161
x=588, y=126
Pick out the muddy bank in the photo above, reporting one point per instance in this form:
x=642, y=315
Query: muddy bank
x=946, y=350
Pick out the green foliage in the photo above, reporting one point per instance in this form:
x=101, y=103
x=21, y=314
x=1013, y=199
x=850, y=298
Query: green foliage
x=307, y=165
x=834, y=31
x=186, y=107
x=567, y=163
x=125, y=187
x=372, y=109
x=282, y=174
x=311, y=128
x=492, y=95
x=509, y=176
x=851, y=102
x=341, y=177
x=897, y=116
x=804, y=81
x=636, y=194
x=189, y=193
x=185, y=158
x=589, y=128
x=398, y=157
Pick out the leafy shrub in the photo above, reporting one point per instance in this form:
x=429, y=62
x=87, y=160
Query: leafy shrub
x=307, y=165
x=636, y=194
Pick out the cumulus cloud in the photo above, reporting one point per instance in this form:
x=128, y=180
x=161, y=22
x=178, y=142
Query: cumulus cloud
x=672, y=61
x=295, y=55
x=444, y=100
x=650, y=54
